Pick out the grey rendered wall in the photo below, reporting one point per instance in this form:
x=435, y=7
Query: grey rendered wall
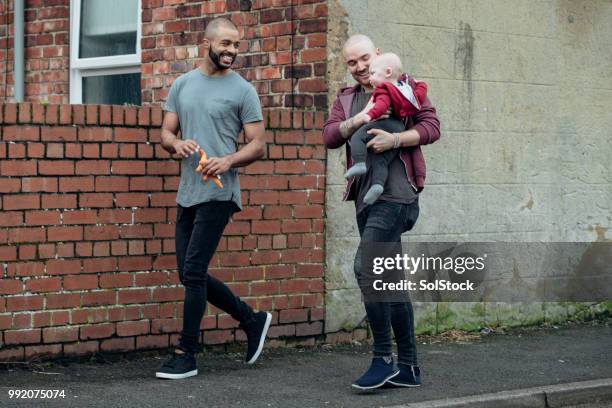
x=523, y=89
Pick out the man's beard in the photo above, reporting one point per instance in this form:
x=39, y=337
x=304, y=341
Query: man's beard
x=216, y=59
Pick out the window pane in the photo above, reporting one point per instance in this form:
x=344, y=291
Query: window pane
x=108, y=27
x=112, y=89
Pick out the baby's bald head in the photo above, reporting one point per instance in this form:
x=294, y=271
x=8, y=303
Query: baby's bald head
x=385, y=68
x=388, y=60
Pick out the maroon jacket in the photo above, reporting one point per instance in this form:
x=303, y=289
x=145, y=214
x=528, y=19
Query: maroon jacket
x=425, y=122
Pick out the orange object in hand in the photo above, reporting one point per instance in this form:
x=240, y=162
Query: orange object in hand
x=201, y=163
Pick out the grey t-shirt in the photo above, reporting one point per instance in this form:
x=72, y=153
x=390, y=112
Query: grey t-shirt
x=212, y=111
x=397, y=188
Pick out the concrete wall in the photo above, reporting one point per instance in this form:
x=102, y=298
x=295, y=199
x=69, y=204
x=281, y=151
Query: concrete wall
x=523, y=90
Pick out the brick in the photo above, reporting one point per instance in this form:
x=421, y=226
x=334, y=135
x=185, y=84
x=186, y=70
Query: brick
x=133, y=328
x=159, y=341
x=18, y=167
x=96, y=134
x=79, y=282
x=115, y=345
x=74, y=184
x=168, y=294
x=44, y=285
x=30, y=336
x=19, y=235
x=63, y=300
x=81, y=348
x=73, y=233
x=99, y=298
x=21, y=133
x=134, y=296
x=43, y=217
x=97, y=331
x=95, y=265
x=309, y=329
x=10, y=286
x=62, y=201
x=58, y=133
x=166, y=325
x=101, y=233
x=21, y=202
x=116, y=280
x=95, y=200
x=42, y=352
x=56, y=167
x=92, y=167
x=24, y=303
x=130, y=134
x=132, y=167
x=60, y=334
x=63, y=266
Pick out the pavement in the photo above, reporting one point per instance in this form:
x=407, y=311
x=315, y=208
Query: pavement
x=569, y=366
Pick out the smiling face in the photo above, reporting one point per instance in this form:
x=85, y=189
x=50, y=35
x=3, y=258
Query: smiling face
x=358, y=54
x=223, y=47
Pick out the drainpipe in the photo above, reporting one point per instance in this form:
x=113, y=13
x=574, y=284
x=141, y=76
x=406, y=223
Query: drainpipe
x=19, y=47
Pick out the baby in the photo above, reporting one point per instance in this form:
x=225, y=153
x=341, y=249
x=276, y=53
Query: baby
x=385, y=71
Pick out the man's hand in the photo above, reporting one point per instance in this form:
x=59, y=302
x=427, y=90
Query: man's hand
x=217, y=165
x=381, y=141
x=185, y=148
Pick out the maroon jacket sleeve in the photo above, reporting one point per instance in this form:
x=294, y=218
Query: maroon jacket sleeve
x=382, y=101
x=331, y=129
x=426, y=123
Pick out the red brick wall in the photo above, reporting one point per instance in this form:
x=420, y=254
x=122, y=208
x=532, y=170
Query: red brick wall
x=283, y=52
x=86, y=231
x=47, y=56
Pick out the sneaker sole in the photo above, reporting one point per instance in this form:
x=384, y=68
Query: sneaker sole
x=371, y=387
x=262, y=339
x=404, y=384
x=169, y=376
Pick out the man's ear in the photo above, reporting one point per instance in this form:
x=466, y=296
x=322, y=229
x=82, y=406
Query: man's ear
x=388, y=72
x=206, y=43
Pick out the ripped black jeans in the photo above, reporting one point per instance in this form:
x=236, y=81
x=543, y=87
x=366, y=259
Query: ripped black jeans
x=385, y=221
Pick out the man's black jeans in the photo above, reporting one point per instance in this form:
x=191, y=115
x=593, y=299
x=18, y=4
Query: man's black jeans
x=198, y=232
x=385, y=221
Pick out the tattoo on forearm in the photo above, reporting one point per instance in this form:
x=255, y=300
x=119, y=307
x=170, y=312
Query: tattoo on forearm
x=348, y=127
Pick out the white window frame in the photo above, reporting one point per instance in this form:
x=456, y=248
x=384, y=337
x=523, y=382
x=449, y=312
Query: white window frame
x=98, y=66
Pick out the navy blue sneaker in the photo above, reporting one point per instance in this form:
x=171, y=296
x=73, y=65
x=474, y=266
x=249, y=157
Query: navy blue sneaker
x=381, y=370
x=409, y=376
x=179, y=366
x=256, y=335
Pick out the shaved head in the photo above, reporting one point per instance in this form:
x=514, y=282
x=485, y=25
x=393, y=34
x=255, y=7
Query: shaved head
x=214, y=27
x=358, y=41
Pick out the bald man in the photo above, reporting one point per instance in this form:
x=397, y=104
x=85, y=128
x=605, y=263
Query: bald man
x=210, y=105
x=393, y=213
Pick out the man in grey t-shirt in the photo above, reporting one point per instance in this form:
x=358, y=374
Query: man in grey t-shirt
x=210, y=105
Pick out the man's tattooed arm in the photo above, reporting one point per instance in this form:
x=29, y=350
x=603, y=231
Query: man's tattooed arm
x=349, y=126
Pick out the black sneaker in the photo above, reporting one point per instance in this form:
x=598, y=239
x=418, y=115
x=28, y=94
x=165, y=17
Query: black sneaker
x=256, y=335
x=381, y=370
x=409, y=376
x=178, y=366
